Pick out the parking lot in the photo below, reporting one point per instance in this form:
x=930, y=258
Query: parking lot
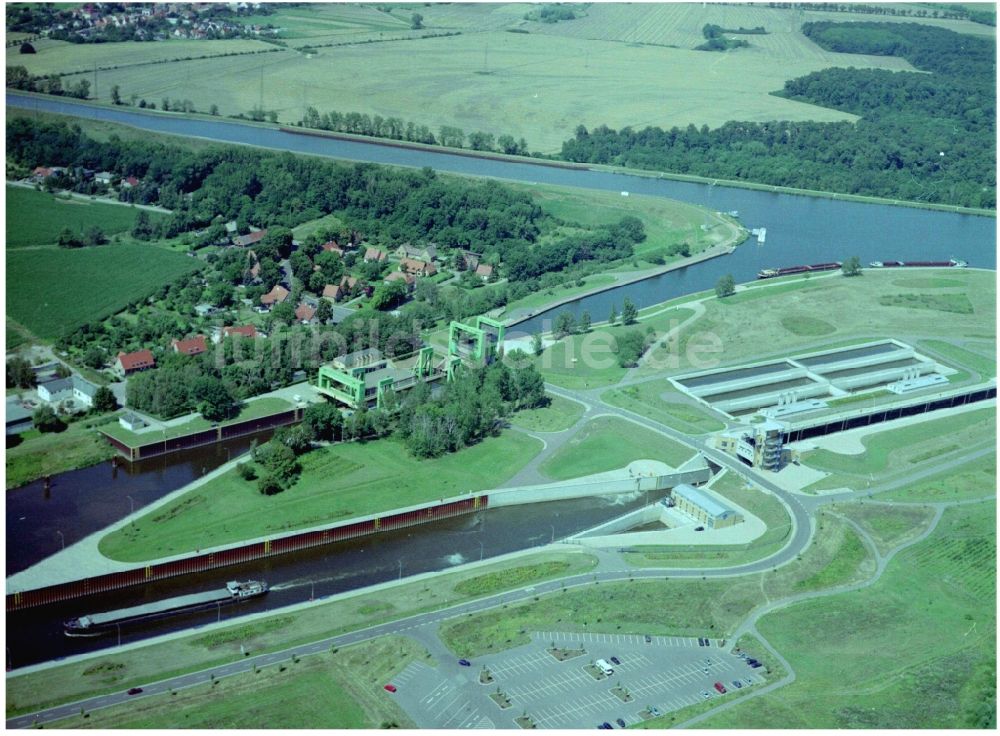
x=668, y=673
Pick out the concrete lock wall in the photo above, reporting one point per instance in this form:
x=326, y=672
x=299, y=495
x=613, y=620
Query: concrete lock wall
x=737, y=384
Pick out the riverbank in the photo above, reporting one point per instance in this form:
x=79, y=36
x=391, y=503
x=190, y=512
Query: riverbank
x=39, y=455
x=528, y=160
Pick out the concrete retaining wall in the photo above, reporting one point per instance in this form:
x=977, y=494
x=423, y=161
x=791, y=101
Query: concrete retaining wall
x=610, y=487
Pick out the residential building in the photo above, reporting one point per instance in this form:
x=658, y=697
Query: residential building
x=277, y=295
x=55, y=391
x=374, y=254
x=484, y=271
x=83, y=390
x=248, y=331
x=417, y=268
x=190, y=345
x=420, y=253
x=400, y=276
x=104, y=177
x=331, y=246
x=304, y=313
x=131, y=421
x=250, y=238
x=140, y=360
x=18, y=417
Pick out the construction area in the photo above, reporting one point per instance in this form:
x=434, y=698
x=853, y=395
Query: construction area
x=367, y=378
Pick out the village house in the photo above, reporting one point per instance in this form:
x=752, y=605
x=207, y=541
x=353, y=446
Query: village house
x=140, y=360
x=277, y=295
x=331, y=246
x=244, y=330
x=250, y=238
x=401, y=276
x=374, y=254
x=190, y=346
x=417, y=268
x=130, y=182
x=484, y=272
x=420, y=253
x=105, y=177
x=466, y=260
x=304, y=313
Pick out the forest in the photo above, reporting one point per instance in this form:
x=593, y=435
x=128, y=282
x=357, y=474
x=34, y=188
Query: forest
x=921, y=137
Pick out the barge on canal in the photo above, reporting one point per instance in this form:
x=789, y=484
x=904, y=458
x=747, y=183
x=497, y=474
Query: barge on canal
x=95, y=624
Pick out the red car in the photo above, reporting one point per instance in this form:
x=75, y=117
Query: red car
x=391, y=688
x=720, y=687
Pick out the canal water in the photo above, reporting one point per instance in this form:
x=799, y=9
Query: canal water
x=40, y=519
x=36, y=635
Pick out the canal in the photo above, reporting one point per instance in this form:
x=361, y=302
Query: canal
x=36, y=635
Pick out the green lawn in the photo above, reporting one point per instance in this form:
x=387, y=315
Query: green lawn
x=951, y=303
x=899, y=448
x=52, y=291
x=915, y=650
x=985, y=366
x=337, y=483
x=36, y=218
x=38, y=455
x=117, y=671
x=609, y=443
x=889, y=526
x=660, y=401
x=251, y=410
x=975, y=479
x=560, y=414
x=332, y=691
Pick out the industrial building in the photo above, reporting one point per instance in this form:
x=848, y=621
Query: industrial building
x=704, y=508
x=365, y=377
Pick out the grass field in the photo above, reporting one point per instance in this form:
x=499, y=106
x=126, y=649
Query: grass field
x=54, y=291
x=36, y=218
x=601, y=445
x=39, y=454
x=985, y=366
x=332, y=691
x=200, y=650
x=337, y=482
x=889, y=526
x=901, y=448
x=915, y=650
x=659, y=400
x=975, y=479
x=251, y=410
x=63, y=57
x=675, y=607
x=750, y=325
x=560, y=414
x=536, y=86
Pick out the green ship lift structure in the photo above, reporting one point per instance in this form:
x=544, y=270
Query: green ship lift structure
x=366, y=377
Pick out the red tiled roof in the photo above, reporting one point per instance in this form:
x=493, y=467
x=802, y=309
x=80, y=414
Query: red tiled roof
x=137, y=360
x=348, y=282
x=275, y=296
x=132, y=181
x=400, y=276
x=331, y=291
x=245, y=330
x=374, y=254
x=191, y=345
x=484, y=270
x=251, y=238
x=304, y=312
x=331, y=246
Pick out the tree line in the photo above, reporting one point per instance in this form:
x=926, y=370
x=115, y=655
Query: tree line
x=18, y=77
x=922, y=137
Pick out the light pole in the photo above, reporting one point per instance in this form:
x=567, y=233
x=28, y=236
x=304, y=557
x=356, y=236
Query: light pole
x=400, y=569
x=131, y=505
x=218, y=608
x=481, y=549
x=119, y=627
x=62, y=539
x=553, y=533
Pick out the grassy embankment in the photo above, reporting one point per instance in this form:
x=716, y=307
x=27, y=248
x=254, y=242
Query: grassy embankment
x=665, y=607
x=915, y=650
x=114, y=671
x=250, y=410
x=38, y=455
x=560, y=414
x=337, y=482
x=759, y=322
x=601, y=445
x=762, y=505
x=974, y=479
x=657, y=399
x=905, y=449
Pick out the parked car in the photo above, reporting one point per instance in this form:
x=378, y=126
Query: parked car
x=391, y=688
x=134, y=690
x=615, y=660
x=721, y=688
x=654, y=711
x=606, y=725
x=465, y=663
x=648, y=638
x=755, y=665
x=737, y=684
x=705, y=694
x=699, y=528
x=620, y=722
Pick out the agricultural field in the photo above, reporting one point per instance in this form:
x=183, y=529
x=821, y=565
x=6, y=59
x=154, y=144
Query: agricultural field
x=915, y=650
x=680, y=24
x=337, y=482
x=36, y=218
x=754, y=324
x=74, y=287
x=598, y=447
x=660, y=401
x=63, y=57
x=539, y=87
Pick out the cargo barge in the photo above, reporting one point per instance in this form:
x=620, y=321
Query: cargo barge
x=770, y=273
x=953, y=263
x=95, y=624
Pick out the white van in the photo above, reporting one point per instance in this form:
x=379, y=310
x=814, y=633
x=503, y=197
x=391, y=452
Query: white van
x=604, y=667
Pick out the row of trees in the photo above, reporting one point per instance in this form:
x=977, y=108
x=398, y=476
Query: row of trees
x=49, y=84
x=924, y=137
